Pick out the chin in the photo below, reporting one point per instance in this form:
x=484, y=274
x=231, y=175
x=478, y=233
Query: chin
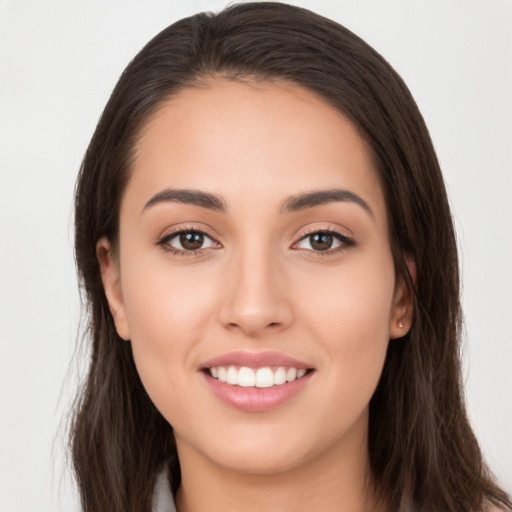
x=259, y=450
x=260, y=462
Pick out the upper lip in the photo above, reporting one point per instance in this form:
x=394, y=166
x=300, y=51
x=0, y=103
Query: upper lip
x=255, y=360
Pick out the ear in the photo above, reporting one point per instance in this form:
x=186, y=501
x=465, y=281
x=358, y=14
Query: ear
x=402, y=312
x=111, y=279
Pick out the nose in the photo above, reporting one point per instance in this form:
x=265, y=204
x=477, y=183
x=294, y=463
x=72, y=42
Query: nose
x=257, y=299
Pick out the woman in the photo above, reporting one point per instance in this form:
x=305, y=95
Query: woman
x=266, y=246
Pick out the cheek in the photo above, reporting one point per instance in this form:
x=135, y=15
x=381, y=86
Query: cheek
x=353, y=300
x=168, y=314
x=350, y=319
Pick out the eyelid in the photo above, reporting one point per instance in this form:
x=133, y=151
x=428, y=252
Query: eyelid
x=345, y=240
x=163, y=240
x=324, y=228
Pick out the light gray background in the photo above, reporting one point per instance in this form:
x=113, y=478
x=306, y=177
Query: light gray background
x=59, y=60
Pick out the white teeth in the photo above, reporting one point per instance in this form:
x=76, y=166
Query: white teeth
x=246, y=377
x=232, y=376
x=280, y=376
x=265, y=377
x=291, y=374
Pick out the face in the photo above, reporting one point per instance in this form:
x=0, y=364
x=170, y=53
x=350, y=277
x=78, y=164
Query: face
x=254, y=276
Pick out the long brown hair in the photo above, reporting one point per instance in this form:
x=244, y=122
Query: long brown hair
x=423, y=453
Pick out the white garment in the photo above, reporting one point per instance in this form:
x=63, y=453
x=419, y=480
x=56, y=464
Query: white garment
x=163, y=500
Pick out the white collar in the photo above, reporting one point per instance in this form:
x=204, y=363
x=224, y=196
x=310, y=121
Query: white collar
x=163, y=500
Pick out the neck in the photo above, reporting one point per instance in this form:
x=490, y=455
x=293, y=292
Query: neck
x=336, y=480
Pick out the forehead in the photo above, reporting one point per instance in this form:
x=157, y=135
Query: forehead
x=273, y=139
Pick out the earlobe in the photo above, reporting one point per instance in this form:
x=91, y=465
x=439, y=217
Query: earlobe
x=110, y=277
x=403, y=310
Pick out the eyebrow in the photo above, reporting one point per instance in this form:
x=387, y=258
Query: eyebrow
x=194, y=197
x=320, y=197
x=293, y=204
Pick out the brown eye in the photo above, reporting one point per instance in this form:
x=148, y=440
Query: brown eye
x=321, y=241
x=327, y=242
x=191, y=241
x=187, y=242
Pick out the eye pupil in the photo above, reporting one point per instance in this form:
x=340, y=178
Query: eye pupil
x=321, y=241
x=191, y=241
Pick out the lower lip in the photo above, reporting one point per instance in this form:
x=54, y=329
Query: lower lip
x=254, y=399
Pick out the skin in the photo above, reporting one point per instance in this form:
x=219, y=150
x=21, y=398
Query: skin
x=258, y=284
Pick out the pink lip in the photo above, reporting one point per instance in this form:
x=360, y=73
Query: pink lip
x=253, y=399
x=255, y=360
x=256, y=399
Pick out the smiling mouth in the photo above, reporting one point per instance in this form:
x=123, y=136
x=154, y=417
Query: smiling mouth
x=264, y=377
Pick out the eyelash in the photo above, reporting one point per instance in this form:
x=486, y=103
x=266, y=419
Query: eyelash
x=164, y=241
x=346, y=242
